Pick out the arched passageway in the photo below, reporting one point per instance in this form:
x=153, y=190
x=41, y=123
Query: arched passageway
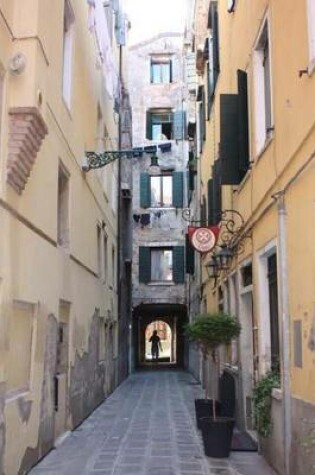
x=166, y=347
x=169, y=321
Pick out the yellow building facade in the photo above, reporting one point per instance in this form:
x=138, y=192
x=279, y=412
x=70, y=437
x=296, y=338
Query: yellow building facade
x=58, y=256
x=256, y=102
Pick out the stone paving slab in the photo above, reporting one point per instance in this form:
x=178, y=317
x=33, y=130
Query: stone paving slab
x=146, y=427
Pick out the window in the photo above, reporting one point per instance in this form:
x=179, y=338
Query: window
x=273, y=311
x=159, y=124
x=269, y=334
x=68, y=21
x=114, y=266
x=311, y=34
x=161, y=70
x=99, y=250
x=163, y=124
x=105, y=257
x=262, y=82
x=161, y=264
x=161, y=190
x=63, y=207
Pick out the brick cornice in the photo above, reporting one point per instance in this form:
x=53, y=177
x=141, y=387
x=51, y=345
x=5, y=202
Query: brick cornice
x=27, y=130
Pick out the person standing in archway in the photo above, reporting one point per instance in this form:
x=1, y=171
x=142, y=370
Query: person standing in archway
x=156, y=345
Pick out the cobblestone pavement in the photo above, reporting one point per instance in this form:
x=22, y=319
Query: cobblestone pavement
x=146, y=427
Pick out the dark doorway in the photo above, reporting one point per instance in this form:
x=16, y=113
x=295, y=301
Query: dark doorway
x=172, y=319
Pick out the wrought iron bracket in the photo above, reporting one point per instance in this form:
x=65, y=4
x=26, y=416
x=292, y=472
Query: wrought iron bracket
x=95, y=160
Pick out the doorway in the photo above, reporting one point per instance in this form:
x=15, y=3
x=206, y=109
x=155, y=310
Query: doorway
x=164, y=332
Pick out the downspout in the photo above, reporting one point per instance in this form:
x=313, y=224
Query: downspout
x=285, y=324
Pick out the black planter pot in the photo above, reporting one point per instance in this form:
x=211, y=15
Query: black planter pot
x=203, y=408
x=217, y=436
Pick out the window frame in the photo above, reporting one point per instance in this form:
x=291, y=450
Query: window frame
x=67, y=53
x=151, y=113
x=310, y=11
x=160, y=61
x=263, y=132
x=161, y=204
x=161, y=250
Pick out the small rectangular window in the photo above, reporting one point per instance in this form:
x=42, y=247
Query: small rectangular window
x=161, y=265
x=161, y=190
x=161, y=70
x=99, y=250
x=68, y=22
x=247, y=275
x=262, y=79
x=105, y=257
x=159, y=124
x=63, y=207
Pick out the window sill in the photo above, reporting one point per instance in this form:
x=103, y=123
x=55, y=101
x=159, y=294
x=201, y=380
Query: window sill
x=266, y=145
x=67, y=107
x=152, y=284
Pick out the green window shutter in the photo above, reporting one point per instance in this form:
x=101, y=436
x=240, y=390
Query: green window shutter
x=243, y=122
x=179, y=125
x=190, y=257
x=144, y=264
x=171, y=69
x=178, y=189
x=215, y=36
x=145, y=191
x=149, y=125
x=210, y=203
x=229, y=134
x=178, y=264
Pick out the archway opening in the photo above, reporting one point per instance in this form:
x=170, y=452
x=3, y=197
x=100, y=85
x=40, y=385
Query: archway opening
x=165, y=347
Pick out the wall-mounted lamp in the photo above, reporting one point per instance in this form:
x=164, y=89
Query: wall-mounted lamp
x=154, y=168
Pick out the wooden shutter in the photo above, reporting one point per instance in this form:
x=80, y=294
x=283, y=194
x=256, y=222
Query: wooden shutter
x=145, y=190
x=148, y=125
x=178, y=264
x=144, y=264
x=179, y=125
x=178, y=189
x=229, y=135
x=243, y=122
x=190, y=257
x=210, y=203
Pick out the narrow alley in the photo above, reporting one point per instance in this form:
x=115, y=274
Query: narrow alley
x=146, y=427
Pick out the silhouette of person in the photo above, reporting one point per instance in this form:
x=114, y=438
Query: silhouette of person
x=155, y=345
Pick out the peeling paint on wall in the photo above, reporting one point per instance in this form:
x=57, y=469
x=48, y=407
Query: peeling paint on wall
x=46, y=427
x=87, y=377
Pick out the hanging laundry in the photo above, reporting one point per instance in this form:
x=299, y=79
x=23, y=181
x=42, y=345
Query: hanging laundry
x=136, y=218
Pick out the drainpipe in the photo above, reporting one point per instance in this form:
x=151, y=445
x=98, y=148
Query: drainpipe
x=285, y=322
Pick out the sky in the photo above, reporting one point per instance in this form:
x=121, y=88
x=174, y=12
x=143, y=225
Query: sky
x=150, y=17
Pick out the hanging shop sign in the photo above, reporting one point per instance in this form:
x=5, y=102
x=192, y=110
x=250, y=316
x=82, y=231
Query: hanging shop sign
x=203, y=238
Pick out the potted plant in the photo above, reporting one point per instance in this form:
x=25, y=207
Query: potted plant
x=210, y=331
